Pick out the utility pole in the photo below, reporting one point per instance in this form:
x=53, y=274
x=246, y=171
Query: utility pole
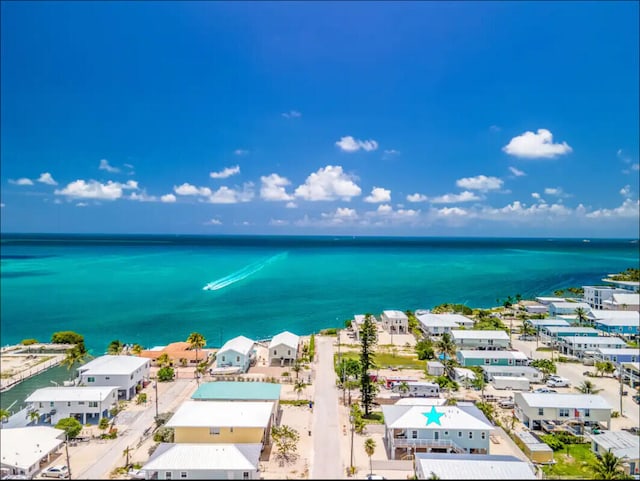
x=66, y=447
x=155, y=386
x=351, y=419
x=621, y=387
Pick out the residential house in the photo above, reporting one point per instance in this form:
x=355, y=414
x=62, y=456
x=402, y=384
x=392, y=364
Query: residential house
x=472, y=466
x=631, y=373
x=179, y=353
x=222, y=422
x=283, y=349
x=416, y=428
x=25, y=451
x=86, y=404
x=417, y=389
x=487, y=340
x=566, y=308
x=491, y=358
x=623, y=302
x=548, y=300
x=535, y=408
x=241, y=392
x=595, y=296
x=438, y=324
x=540, y=323
x=531, y=373
x=435, y=368
x=237, y=352
x=556, y=333
x=631, y=286
x=535, y=308
x=622, y=444
x=616, y=322
x=463, y=375
x=617, y=356
x=129, y=373
x=204, y=461
x=579, y=346
x=395, y=322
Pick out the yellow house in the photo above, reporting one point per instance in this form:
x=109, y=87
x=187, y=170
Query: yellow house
x=222, y=422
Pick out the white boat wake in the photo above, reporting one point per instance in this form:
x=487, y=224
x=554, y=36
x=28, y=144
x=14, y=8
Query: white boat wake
x=242, y=273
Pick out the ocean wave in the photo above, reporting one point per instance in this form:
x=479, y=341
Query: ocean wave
x=243, y=273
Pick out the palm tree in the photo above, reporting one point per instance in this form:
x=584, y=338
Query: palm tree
x=126, y=453
x=34, y=416
x=608, y=368
x=299, y=387
x=163, y=360
x=136, y=349
x=115, y=348
x=197, y=341
x=588, y=387
x=297, y=367
x=608, y=466
x=404, y=387
x=4, y=415
x=446, y=346
x=582, y=315
x=479, y=383
x=370, y=448
x=73, y=357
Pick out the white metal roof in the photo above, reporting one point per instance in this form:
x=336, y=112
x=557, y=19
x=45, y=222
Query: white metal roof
x=204, y=456
x=479, y=354
x=549, y=299
x=563, y=400
x=463, y=372
x=634, y=366
x=528, y=369
x=240, y=344
x=608, y=351
x=444, y=320
x=401, y=416
x=626, y=298
x=474, y=466
x=620, y=443
x=24, y=447
x=607, y=340
x=586, y=330
x=287, y=338
x=57, y=394
x=547, y=322
x=250, y=414
x=467, y=334
x=391, y=314
x=420, y=401
x=615, y=318
x=116, y=365
x=571, y=305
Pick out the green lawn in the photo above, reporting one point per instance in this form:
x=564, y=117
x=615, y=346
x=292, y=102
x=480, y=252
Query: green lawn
x=375, y=417
x=575, y=464
x=385, y=359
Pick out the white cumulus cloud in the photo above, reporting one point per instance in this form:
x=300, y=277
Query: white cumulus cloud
x=81, y=189
x=168, y=198
x=142, y=197
x=214, y=222
x=480, y=182
x=378, y=195
x=104, y=165
x=556, y=192
x=535, y=195
x=226, y=195
x=328, y=183
x=21, y=181
x=536, y=145
x=451, y=212
x=291, y=114
x=341, y=215
x=278, y=222
x=46, y=178
x=189, y=189
x=626, y=191
x=349, y=144
x=417, y=197
x=630, y=209
x=225, y=173
x=517, y=172
x=240, y=152
x=465, y=196
x=273, y=188
x=291, y=205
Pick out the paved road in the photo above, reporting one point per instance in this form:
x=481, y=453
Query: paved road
x=180, y=391
x=326, y=462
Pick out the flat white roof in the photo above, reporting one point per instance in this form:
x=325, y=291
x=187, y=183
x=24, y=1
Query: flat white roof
x=607, y=340
x=619, y=352
x=571, y=305
x=468, y=334
x=401, y=416
x=620, y=443
x=240, y=344
x=624, y=298
x=391, y=314
x=478, y=354
x=562, y=400
x=58, y=394
x=635, y=366
x=615, y=318
x=248, y=414
x=547, y=322
x=116, y=365
x=528, y=369
x=474, y=466
x=420, y=401
x=24, y=447
x=550, y=299
x=204, y=456
x=446, y=320
x=287, y=338
x=588, y=330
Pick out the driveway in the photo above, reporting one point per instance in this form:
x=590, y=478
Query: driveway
x=326, y=462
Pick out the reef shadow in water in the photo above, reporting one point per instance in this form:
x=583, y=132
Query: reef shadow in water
x=15, y=275
x=25, y=257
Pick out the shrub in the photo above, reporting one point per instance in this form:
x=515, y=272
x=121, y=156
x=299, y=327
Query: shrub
x=141, y=398
x=165, y=374
x=29, y=342
x=164, y=435
x=71, y=426
x=162, y=418
x=103, y=424
x=553, y=442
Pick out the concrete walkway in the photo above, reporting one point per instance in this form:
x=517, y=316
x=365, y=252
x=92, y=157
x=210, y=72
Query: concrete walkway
x=326, y=463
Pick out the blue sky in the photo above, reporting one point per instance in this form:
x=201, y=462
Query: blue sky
x=417, y=118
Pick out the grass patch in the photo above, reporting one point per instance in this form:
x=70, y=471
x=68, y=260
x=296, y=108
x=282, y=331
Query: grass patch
x=572, y=460
x=544, y=349
x=375, y=417
x=384, y=359
x=633, y=344
x=295, y=402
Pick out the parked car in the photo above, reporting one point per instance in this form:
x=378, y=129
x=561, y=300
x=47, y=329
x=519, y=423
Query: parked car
x=506, y=404
x=136, y=474
x=56, y=472
x=561, y=382
x=636, y=398
x=544, y=390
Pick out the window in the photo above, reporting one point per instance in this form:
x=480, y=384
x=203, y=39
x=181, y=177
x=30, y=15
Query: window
x=275, y=352
x=237, y=358
x=414, y=434
x=459, y=434
x=91, y=379
x=564, y=412
x=50, y=404
x=483, y=435
x=223, y=359
x=40, y=404
x=68, y=403
x=470, y=434
x=540, y=411
x=245, y=475
x=81, y=402
x=487, y=361
x=446, y=433
x=214, y=431
x=495, y=361
x=93, y=404
x=587, y=413
x=167, y=475
x=231, y=429
x=183, y=474
x=131, y=377
x=288, y=352
x=106, y=378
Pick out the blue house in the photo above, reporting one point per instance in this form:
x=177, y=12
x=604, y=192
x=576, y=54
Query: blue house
x=616, y=322
x=617, y=356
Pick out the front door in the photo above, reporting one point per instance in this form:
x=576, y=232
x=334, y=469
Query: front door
x=436, y=435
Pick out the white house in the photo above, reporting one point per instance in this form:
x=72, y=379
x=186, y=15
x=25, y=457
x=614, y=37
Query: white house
x=203, y=461
x=531, y=373
x=417, y=389
x=595, y=296
x=463, y=375
x=535, y=408
x=24, y=448
x=616, y=322
x=472, y=466
x=237, y=352
x=631, y=373
x=395, y=322
x=428, y=428
x=567, y=308
x=435, y=368
x=438, y=324
x=548, y=300
x=536, y=308
x=622, y=444
x=283, y=348
x=86, y=404
x=579, y=346
x=623, y=302
x=126, y=372
x=487, y=340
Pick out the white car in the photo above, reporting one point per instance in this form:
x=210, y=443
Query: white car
x=558, y=382
x=56, y=472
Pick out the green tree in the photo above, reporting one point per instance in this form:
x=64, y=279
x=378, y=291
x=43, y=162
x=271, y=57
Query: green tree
x=136, y=349
x=588, y=387
x=298, y=387
x=163, y=360
x=599, y=366
x=581, y=314
x=103, y=424
x=74, y=356
x=297, y=367
x=608, y=466
x=312, y=347
x=28, y=342
x=368, y=339
x=286, y=440
x=403, y=388
x=4, y=415
x=545, y=366
x=608, y=368
x=487, y=409
x=479, y=383
x=197, y=342
x=424, y=349
x=34, y=416
x=165, y=374
x=71, y=427
x=115, y=347
x=446, y=346
x=69, y=337
x=370, y=448
x=357, y=419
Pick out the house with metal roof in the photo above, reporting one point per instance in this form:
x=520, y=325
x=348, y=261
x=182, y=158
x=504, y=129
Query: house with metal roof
x=469, y=358
x=616, y=322
x=494, y=340
x=554, y=333
x=24, y=448
x=631, y=373
x=548, y=300
x=283, y=349
x=437, y=324
x=540, y=323
x=423, y=428
x=558, y=308
x=222, y=422
x=237, y=352
x=596, y=296
x=87, y=404
x=534, y=409
x=622, y=444
x=472, y=466
x=529, y=372
x=617, y=356
x=394, y=322
x=579, y=346
x=204, y=461
x=622, y=302
x=126, y=372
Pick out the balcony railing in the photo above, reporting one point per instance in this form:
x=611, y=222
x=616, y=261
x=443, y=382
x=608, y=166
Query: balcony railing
x=402, y=442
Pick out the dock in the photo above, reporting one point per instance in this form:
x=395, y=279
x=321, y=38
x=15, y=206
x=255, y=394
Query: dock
x=20, y=362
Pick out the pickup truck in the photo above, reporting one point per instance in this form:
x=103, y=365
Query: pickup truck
x=558, y=382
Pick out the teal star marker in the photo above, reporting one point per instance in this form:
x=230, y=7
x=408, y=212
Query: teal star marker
x=433, y=416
